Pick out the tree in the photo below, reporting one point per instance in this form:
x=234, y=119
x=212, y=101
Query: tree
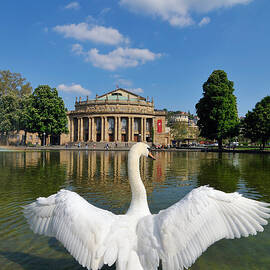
x=256, y=125
x=180, y=131
x=13, y=83
x=26, y=122
x=217, y=109
x=13, y=91
x=45, y=113
x=9, y=115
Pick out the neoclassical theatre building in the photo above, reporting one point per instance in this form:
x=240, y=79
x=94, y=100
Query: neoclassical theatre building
x=117, y=116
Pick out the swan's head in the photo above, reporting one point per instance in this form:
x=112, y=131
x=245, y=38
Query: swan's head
x=142, y=149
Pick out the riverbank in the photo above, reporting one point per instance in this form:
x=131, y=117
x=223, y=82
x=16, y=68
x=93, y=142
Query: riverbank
x=124, y=147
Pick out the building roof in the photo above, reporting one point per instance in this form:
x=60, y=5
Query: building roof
x=120, y=94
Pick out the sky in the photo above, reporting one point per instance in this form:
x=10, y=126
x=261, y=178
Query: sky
x=165, y=49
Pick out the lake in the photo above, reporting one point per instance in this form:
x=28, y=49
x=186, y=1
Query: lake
x=101, y=178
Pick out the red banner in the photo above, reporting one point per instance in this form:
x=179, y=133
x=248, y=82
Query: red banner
x=159, y=126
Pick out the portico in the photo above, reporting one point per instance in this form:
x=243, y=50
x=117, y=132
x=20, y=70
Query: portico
x=110, y=128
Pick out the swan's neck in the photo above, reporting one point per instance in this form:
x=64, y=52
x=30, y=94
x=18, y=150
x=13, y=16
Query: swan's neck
x=138, y=205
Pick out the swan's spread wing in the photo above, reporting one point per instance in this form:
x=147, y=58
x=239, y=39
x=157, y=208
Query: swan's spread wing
x=81, y=227
x=179, y=234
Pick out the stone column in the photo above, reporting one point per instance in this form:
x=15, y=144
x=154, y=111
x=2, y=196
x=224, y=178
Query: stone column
x=106, y=132
x=93, y=134
x=153, y=130
x=102, y=129
x=89, y=128
x=115, y=128
x=71, y=129
x=79, y=129
x=129, y=130
x=144, y=129
x=141, y=129
x=82, y=129
x=132, y=129
x=119, y=129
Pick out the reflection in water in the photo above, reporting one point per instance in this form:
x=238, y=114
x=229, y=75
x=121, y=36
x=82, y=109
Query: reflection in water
x=220, y=172
x=256, y=175
x=101, y=178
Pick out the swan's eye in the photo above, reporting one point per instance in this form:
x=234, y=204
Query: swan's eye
x=149, y=149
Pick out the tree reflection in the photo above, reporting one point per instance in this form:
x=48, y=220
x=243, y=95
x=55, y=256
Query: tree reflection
x=219, y=172
x=32, y=173
x=255, y=170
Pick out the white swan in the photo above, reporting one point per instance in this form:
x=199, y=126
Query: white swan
x=139, y=240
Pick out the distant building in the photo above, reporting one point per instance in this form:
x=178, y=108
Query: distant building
x=117, y=116
x=180, y=117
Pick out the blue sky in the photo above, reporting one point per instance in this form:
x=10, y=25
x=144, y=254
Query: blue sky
x=164, y=49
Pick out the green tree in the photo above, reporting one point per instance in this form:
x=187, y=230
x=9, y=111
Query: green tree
x=45, y=113
x=13, y=83
x=211, y=172
x=9, y=116
x=180, y=131
x=217, y=109
x=13, y=91
x=256, y=125
x=26, y=122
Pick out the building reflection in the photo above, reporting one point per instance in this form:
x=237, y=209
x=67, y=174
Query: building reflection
x=109, y=166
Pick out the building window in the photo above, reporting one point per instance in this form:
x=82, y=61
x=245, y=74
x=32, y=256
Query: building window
x=136, y=124
x=98, y=123
x=147, y=125
x=124, y=123
x=111, y=123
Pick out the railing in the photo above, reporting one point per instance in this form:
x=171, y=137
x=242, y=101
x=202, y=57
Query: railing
x=105, y=101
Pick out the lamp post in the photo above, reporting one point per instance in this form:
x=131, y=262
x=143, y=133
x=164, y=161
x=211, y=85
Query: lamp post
x=44, y=134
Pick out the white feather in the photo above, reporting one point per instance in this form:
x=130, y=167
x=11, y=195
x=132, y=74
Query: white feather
x=216, y=215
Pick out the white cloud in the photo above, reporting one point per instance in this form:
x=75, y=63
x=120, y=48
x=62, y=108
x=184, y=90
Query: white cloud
x=178, y=12
x=105, y=11
x=120, y=58
x=73, y=5
x=136, y=90
x=73, y=88
x=204, y=21
x=77, y=49
x=124, y=82
x=94, y=33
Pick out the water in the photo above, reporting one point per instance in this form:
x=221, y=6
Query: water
x=101, y=178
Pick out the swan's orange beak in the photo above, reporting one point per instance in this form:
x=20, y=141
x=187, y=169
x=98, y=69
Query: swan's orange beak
x=151, y=156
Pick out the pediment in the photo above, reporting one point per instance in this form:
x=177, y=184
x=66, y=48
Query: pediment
x=120, y=94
